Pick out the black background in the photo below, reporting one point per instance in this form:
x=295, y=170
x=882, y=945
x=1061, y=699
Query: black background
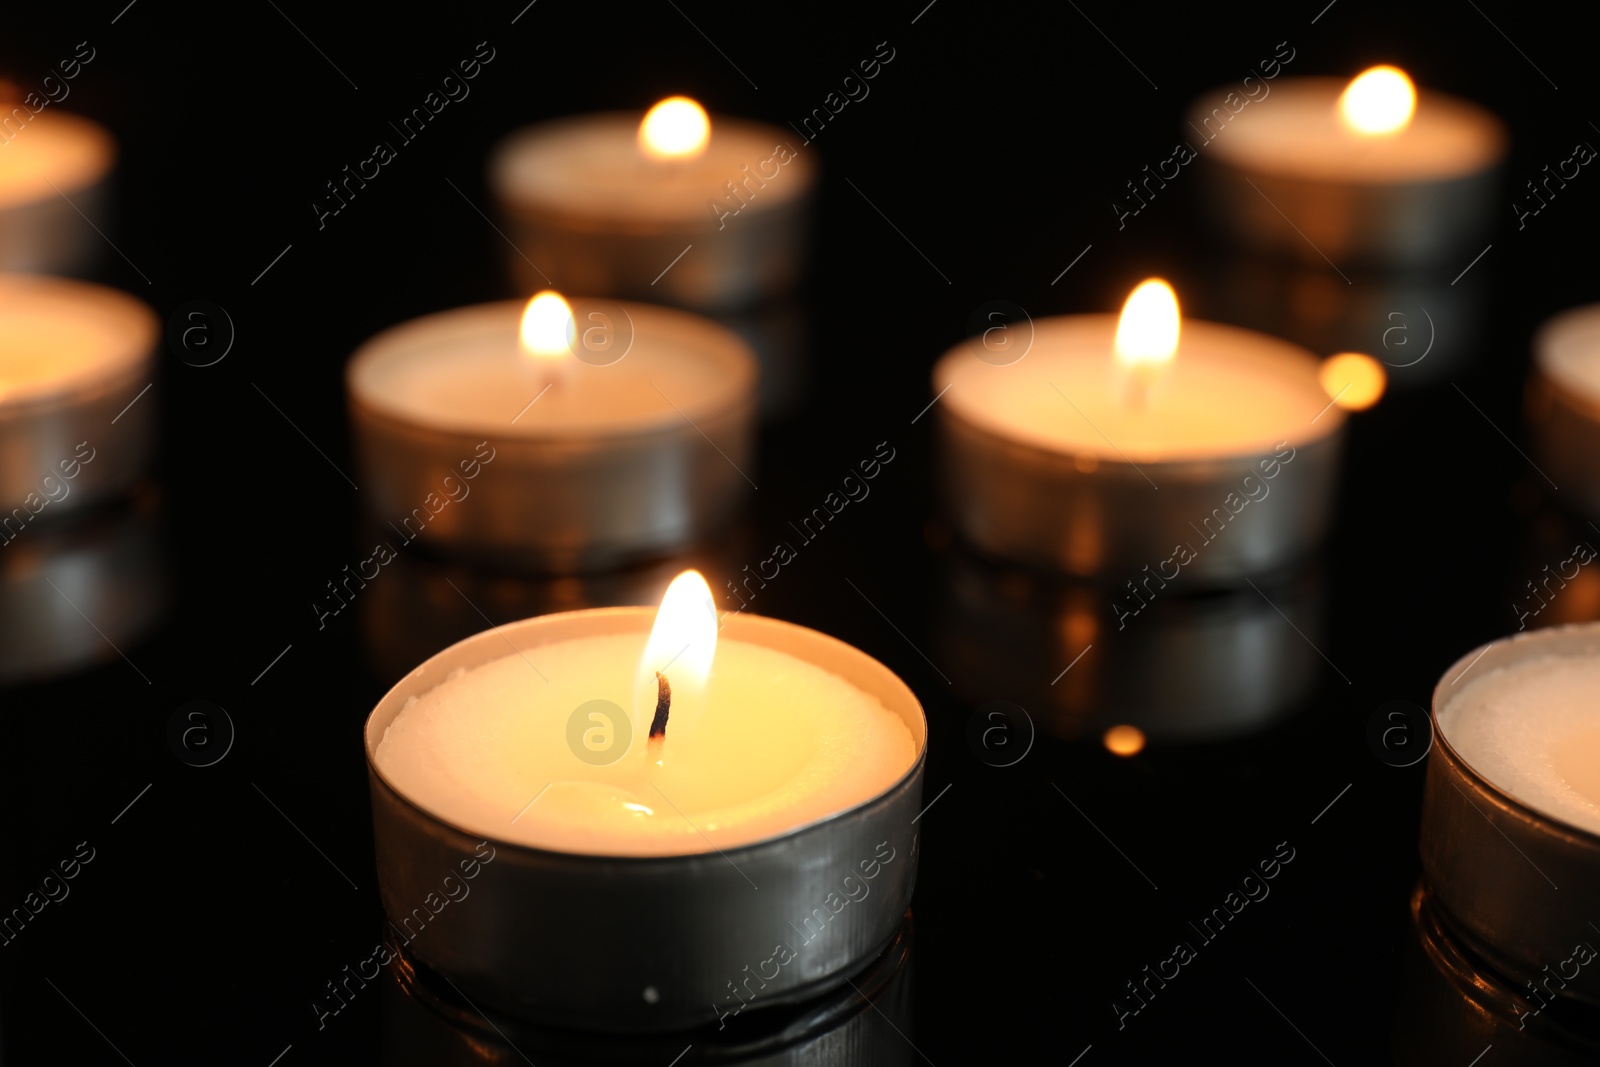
x=995, y=142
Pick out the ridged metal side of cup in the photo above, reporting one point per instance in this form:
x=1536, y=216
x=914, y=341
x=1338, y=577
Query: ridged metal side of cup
x=1368, y=224
x=755, y=257
x=650, y=943
x=37, y=437
x=1018, y=502
x=1566, y=438
x=49, y=236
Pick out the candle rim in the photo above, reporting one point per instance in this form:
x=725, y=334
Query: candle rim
x=947, y=371
x=736, y=386
x=597, y=622
x=101, y=148
x=1431, y=104
x=134, y=323
x=515, y=147
x=1507, y=652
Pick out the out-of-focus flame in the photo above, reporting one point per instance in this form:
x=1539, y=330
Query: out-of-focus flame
x=1379, y=101
x=1352, y=380
x=1147, y=332
x=676, y=128
x=1124, y=740
x=548, y=328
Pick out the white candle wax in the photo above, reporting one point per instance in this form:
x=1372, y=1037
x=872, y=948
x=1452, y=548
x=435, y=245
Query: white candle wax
x=1568, y=350
x=53, y=153
x=465, y=371
x=593, y=166
x=1533, y=730
x=58, y=336
x=1296, y=132
x=1227, y=392
x=780, y=743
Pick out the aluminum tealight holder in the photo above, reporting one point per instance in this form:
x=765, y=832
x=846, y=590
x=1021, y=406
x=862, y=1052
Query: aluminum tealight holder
x=1515, y=886
x=1275, y=204
x=549, y=500
x=647, y=943
x=87, y=434
x=586, y=214
x=58, y=175
x=1106, y=517
x=1564, y=404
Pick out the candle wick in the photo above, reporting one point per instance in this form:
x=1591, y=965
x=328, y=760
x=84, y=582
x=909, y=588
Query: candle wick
x=658, y=725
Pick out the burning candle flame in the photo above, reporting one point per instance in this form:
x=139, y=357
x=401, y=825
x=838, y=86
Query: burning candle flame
x=1124, y=740
x=676, y=128
x=548, y=328
x=682, y=643
x=1352, y=380
x=1380, y=101
x=1147, y=332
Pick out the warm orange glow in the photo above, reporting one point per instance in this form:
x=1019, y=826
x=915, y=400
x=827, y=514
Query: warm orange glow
x=682, y=644
x=1124, y=740
x=676, y=128
x=1147, y=332
x=1352, y=380
x=547, y=328
x=1380, y=101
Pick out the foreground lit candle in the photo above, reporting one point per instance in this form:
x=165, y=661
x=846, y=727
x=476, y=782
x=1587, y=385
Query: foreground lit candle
x=1533, y=729
x=676, y=206
x=1368, y=169
x=1510, y=837
x=603, y=432
x=753, y=741
x=44, y=160
x=1054, y=456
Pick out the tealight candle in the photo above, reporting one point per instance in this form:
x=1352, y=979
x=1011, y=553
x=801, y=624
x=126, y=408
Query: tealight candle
x=677, y=207
x=662, y=803
x=1366, y=172
x=1564, y=403
x=75, y=425
x=613, y=433
x=1511, y=811
x=51, y=157
x=1131, y=444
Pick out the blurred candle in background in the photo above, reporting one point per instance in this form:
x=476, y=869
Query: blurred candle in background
x=566, y=436
x=675, y=207
x=1368, y=172
x=1054, y=456
x=53, y=165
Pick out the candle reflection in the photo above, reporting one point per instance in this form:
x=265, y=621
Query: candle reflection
x=428, y=1023
x=1189, y=669
x=81, y=590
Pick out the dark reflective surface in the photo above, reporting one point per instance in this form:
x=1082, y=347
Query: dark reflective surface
x=221, y=899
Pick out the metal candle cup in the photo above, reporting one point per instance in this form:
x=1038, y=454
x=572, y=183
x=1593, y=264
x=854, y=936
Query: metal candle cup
x=1491, y=864
x=76, y=417
x=1091, y=514
x=1564, y=403
x=55, y=166
x=428, y=1024
x=552, y=499
x=1450, y=1007
x=646, y=943
x=1269, y=194
x=588, y=213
